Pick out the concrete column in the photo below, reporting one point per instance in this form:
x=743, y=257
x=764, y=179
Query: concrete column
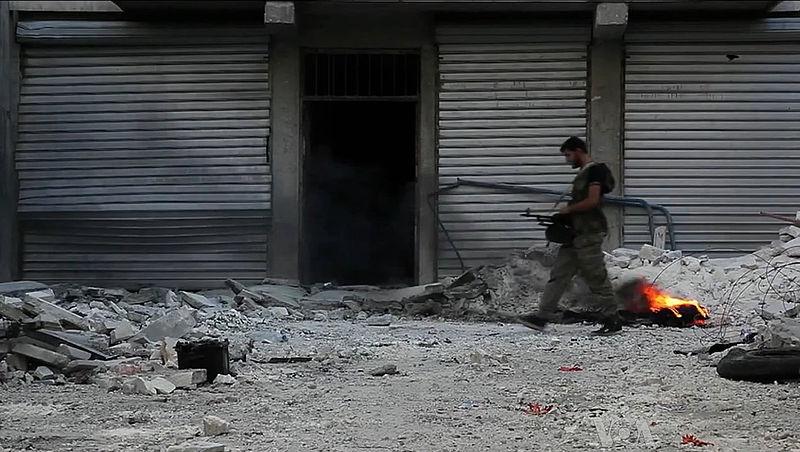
x=427, y=238
x=607, y=94
x=286, y=157
x=9, y=84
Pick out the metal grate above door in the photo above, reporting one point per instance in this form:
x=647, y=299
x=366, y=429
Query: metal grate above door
x=361, y=75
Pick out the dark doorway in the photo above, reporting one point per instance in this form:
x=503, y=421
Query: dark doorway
x=359, y=208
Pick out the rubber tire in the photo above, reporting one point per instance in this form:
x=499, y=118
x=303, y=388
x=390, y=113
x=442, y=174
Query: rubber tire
x=763, y=365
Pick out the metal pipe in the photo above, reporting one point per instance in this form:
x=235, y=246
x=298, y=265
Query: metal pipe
x=612, y=199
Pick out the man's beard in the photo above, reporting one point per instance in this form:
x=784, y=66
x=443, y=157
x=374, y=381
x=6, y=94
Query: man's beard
x=576, y=165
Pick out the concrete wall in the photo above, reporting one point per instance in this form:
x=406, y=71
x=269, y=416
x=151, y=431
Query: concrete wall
x=9, y=80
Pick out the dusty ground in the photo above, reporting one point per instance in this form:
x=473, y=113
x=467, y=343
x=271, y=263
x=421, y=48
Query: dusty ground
x=461, y=387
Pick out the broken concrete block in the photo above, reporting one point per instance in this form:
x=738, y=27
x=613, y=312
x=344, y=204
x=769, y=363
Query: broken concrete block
x=235, y=286
x=196, y=301
x=10, y=309
x=650, y=253
x=80, y=365
x=38, y=306
x=40, y=354
x=167, y=352
x=139, y=385
x=380, y=320
x=792, y=248
x=197, y=447
x=670, y=256
x=17, y=362
x=20, y=288
x=279, y=312
x=175, y=323
x=791, y=231
x=83, y=340
x=123, y=331
x=46, y=295
x=43, y=373
x=4, y=371
x=188, y=379
x=73, y=353
x=214, y=426
x=388, y=369
x=5, y=347
x=223, y=379
x=162, y=385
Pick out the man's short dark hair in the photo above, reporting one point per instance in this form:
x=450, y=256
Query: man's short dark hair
x=574, y=144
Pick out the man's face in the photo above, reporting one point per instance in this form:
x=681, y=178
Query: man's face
x=571, y=156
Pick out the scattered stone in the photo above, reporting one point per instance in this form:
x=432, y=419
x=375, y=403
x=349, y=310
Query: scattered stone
x=138, y=385
x=40, y=354
x=44, y=373
x=214, y=426
x=163, y=385
x=10, y=309
x=73, y=353
x=380, y=320
x=362, y=315
x=167, y=352
x=197, y=447
x=123, y=331
x=20, y=288
x=196, y=301
x=4, y=371
x=46, y=295
x=651, y=253
x=692, y=263
x=16, y=362
x=388, y=369
x=223, y=379
x=80, y=365
x=279, y=312
x=36, y=306
x=671, y=256
x=188, y=379
x=793, y=248
x=176, y=323
x=320, y=317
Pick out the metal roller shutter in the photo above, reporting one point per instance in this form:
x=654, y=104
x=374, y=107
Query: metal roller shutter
x=117, y=134
x=509, y=96
x=712, y=122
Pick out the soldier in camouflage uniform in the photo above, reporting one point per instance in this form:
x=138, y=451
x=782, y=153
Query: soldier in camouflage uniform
x=584, y=256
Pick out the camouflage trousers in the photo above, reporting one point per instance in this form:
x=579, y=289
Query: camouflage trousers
x=584, y=258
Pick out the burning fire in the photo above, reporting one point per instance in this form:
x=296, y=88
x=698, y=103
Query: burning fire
x=659, y=301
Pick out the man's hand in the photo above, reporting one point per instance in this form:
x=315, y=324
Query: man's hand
x=564, y=210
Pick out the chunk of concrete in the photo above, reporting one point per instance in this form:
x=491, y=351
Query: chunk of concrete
x=10, y=309
x=196, y=301
x=175, y=323
x=651, y=253
x=73, y=353
x=792, y=248
x=40, y=354
x=188, y=379
x=20, y=288
x=162, y=385
x=81, y=365
x=215, y=426
x=16, y=362
x=223, y=379
x=197, y=447
x=388, y=369
x=167, y=352
x=279, y=312
x=44, y=373
x=123, y=331
x=138, y=385
x=46, y=295
x=380, y=320
x=38, y=306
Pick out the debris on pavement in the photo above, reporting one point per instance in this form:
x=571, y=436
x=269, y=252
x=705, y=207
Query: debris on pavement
x=692, y=440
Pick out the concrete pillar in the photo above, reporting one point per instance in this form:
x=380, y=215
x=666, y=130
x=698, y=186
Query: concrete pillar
x=607, y=94
x=286, y=157
x=9, y=83
x=427, y=181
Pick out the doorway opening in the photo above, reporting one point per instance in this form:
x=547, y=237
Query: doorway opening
x=359, y=208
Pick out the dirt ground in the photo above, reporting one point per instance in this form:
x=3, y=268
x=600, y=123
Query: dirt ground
x=460, y=387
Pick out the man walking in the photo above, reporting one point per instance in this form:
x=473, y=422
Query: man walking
x=584, y=256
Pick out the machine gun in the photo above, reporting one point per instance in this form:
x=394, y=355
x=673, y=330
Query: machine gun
x=557, y=227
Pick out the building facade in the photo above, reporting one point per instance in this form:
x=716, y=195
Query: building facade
x=174, y=144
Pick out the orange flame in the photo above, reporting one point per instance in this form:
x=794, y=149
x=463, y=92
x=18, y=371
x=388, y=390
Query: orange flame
x=658, y=300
